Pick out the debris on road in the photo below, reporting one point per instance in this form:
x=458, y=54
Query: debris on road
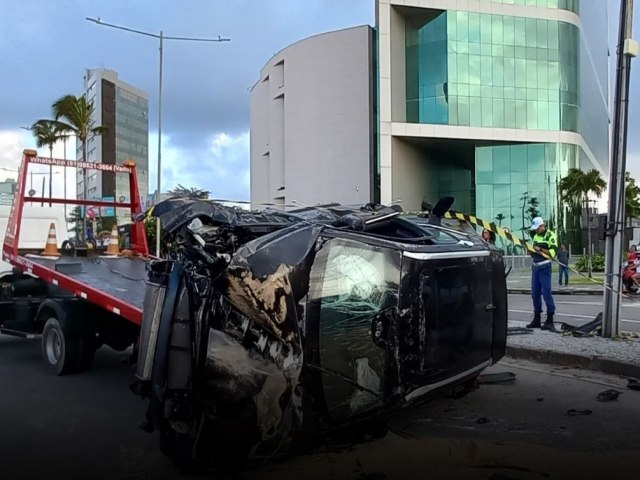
x=574, y=412
x=519, y=331
x=594, y=327
x=633, y=384
x=608, y=395
x=497, y=378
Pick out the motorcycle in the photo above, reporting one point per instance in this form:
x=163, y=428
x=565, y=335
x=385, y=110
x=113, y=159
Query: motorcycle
x=628, y=273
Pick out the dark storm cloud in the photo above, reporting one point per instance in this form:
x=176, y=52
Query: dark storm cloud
x=45, y=47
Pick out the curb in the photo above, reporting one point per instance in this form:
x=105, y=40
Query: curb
x=601, y=364
x=527, y=291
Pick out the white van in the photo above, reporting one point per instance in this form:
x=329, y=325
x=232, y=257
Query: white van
x=35, y=227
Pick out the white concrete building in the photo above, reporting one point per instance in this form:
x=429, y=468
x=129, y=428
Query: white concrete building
x=312, y=122
x=490, y=101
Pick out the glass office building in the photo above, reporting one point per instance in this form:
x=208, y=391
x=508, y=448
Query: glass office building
x=487, y=102
x=124, y=110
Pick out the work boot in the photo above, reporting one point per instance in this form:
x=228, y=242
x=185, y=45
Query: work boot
x=548, y=324
x=535, y=323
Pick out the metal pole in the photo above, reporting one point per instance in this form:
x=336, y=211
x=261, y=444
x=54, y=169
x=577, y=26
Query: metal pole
x=64, y=142
x=159, y=187
x=161, y=37
x=615, y=221
x=50, y=183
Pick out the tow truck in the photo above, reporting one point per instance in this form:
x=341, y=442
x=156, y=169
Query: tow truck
x=76, y=302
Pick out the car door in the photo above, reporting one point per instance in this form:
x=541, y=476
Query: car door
x=446, y=316
x=350, y=283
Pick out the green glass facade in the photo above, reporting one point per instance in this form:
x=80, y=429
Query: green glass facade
x=483, y=70
x=571, y=5
x=508, y=177
x=498, y=71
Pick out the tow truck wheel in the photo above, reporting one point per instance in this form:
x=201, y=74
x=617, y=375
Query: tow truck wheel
x=60, y=351
x=178, y=446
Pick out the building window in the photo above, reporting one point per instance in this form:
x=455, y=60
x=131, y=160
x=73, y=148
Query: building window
x=483, y=70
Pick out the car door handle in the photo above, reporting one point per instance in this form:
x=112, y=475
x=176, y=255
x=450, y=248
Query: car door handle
x=490, y=306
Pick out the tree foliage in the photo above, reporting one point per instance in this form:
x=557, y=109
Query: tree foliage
x=632, y=197
x=189, y=192
x=47, y=133
x=74, y=114
x=575, y=189
x=578, y=185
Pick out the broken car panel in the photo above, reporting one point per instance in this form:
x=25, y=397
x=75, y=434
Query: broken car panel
x=263, y=330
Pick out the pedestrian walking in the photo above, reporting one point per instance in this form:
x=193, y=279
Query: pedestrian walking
x=545, y=245
x=563, y=259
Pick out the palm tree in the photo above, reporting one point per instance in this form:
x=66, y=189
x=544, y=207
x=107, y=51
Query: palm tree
x=47, y=133
x=576, y=187
x=74, y=114
x=632, y=198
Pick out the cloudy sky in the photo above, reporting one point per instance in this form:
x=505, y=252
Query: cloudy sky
x=46, y=45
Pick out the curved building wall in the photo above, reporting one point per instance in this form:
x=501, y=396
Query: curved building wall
x=312, y=128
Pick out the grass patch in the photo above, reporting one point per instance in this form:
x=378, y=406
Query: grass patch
x=574, y=279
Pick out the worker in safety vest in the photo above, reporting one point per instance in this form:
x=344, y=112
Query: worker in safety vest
x=545, y=245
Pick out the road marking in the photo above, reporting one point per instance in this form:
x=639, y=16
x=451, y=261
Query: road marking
x=632, y=305
x=556, y=314
x=578, y=303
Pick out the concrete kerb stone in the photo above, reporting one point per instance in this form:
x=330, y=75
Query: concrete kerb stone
x=605, y=365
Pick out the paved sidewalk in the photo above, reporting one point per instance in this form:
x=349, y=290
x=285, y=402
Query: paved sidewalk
x=519, y=281
x=618, y=357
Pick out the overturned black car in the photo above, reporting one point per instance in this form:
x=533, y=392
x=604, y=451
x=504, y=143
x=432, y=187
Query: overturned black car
x=263, y=331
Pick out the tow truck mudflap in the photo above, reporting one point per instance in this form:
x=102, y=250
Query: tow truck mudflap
x=161, y=298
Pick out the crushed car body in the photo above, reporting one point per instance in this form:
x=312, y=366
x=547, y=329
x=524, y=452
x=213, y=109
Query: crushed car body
x=262, y=331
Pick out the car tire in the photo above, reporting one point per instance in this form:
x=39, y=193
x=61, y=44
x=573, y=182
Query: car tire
x=60, y=350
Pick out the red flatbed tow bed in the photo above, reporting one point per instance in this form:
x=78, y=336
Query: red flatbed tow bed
x=81, y=302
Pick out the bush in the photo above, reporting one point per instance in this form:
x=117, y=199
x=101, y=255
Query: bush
x=597, y=263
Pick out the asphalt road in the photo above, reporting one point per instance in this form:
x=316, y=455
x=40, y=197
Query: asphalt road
x=576, y=310
x=86, y=427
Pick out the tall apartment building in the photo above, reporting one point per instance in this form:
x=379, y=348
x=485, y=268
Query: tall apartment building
x=7, y=190
x=124, y=110
x=491, y=101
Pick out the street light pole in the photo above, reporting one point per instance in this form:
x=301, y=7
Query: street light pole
x=159, y=181
x=627, y=48
x=161, y=37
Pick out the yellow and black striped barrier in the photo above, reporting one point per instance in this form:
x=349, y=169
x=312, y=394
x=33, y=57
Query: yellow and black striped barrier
x=506, y=234
x=492, y=227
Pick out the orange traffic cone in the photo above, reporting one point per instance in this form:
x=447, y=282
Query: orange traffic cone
x=51, y=248
x=114, y=247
